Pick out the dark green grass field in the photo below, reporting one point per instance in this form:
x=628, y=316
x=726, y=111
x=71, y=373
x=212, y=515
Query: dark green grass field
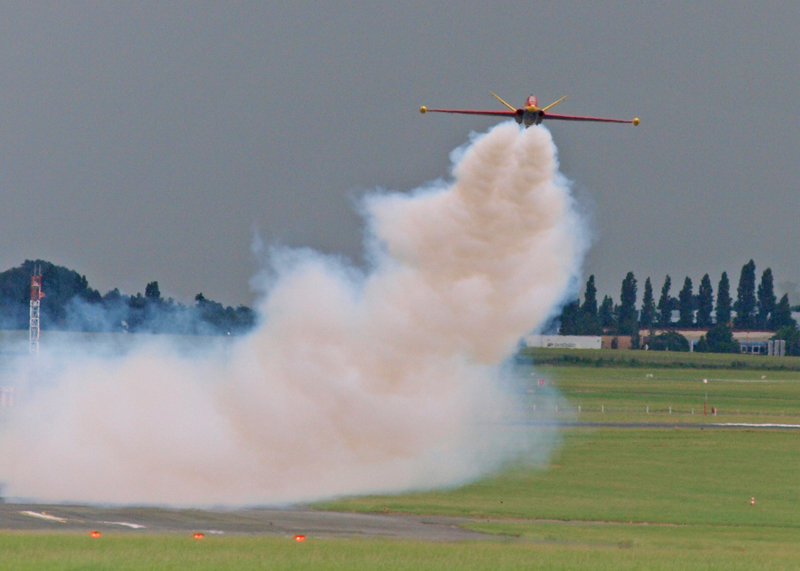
x=610, y=498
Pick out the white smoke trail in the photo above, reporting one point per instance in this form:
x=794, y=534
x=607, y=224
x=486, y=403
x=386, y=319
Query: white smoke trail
x=354, y=383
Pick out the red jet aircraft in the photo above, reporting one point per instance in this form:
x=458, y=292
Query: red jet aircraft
x=530, y=114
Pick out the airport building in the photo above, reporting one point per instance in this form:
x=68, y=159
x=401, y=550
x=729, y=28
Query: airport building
x=750, y=342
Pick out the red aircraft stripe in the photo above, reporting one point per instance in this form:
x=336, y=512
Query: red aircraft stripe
x=579, y=118
x=497, y=113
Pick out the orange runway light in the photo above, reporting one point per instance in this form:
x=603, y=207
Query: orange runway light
x=198, y=536
x=299, y=537
x=94, y=533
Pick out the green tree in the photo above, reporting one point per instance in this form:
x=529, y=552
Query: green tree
x=669, y=341
x=577, y=319
x=628, y=316
x=590, y=324
x=791, y=335
x=783, y=314
x=724, y=302
x=606, y=313
x=766, y=300
x=589, y=306
x=745, y=305
x=570, y=319
x=719, y=339
x=705, y=302
x=665, y=304
x=152, y=293
x=66, y=290
x=686, y=304
x=648, y=314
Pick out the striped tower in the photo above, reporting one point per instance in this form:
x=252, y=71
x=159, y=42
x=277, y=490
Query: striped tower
x=36, y=295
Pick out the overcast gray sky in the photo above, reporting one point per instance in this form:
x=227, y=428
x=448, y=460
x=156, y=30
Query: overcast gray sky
x=146, y=141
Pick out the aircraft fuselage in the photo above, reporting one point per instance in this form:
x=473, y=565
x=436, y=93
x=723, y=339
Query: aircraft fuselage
x=529, y=117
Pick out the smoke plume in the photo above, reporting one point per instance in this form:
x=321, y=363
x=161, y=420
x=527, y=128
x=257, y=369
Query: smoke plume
x=354, y=382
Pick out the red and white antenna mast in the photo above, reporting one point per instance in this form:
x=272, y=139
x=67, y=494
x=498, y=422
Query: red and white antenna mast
x=36, y=295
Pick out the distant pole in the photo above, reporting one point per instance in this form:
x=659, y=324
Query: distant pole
x=36, y=295
x=705, y=399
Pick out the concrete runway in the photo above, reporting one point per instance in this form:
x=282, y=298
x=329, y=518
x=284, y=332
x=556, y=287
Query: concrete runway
x=281, y=522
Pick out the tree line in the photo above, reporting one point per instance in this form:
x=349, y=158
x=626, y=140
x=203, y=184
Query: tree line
x=71, y=305
x=755, y=308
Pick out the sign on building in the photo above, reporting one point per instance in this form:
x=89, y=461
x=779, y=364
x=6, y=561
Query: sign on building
x=563, y=341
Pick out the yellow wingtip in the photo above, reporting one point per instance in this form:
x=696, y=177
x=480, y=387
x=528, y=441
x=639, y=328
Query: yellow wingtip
x=501, y=100
x=635, y=121
x=554, y=104
x=424, y=109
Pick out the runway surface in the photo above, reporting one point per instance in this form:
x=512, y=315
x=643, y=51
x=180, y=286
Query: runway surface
x=281, y=522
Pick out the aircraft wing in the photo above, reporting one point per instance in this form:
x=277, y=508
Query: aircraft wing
x=580, y=118
x=470, y=112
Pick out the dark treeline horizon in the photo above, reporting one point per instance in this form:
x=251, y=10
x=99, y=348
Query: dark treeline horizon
x=70, y=304
x=718, y=310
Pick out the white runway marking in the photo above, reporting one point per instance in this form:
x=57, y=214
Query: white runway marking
x=124, y=523
x=45, y=516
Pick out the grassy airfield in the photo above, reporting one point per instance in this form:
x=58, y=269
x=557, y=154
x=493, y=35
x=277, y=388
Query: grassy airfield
x=611, y=498
x=645, y=498
x=611, y=394
x=596, y=549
